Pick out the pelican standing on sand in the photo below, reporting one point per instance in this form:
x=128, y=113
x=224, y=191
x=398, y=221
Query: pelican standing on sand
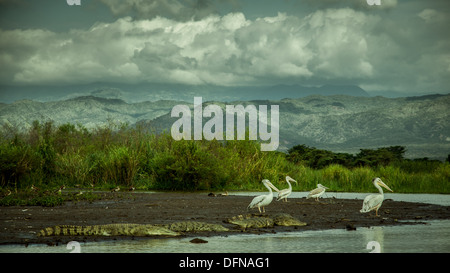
x=284, y=193
x=374, y=201
x=263, y=200
x=317, y=192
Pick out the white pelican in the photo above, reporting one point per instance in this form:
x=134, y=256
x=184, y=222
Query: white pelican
x=284, y=193
x=317, y=192
x=263, y=200
x=374, y=201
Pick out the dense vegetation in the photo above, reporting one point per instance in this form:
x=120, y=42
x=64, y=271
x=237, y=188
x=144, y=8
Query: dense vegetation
x=49, y=156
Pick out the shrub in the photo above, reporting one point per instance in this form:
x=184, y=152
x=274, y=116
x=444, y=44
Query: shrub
x=121, y=165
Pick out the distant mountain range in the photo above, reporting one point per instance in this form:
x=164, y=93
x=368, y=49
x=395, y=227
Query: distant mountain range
x=347, y=123
x=154, y=92
x=340, y=123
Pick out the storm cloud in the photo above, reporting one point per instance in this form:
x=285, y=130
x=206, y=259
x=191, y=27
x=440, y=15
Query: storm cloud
x=189, y=43
x=172, y=9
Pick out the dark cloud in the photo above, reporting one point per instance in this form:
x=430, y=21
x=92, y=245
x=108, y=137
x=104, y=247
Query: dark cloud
x=354, y=4
x=172, y=9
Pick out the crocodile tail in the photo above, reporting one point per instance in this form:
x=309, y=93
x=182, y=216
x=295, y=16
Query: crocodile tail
x=52, y=231
x=62, y=230
x=46, y=232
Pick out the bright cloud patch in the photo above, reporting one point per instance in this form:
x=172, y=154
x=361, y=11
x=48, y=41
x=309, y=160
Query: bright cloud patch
x=342, y=44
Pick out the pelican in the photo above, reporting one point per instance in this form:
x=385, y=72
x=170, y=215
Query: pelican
x=374, y=201
x=317, y=192
x=263, y=200
x=284, y=193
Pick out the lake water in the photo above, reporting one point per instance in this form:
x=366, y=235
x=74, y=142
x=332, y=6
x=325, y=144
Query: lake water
x=438, y=199
x=431, y=237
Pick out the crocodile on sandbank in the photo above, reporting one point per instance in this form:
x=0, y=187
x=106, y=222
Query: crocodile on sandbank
x=125, y=229
x=194, y=226
x=108, y=230
x=263, y=221
x=172, y=229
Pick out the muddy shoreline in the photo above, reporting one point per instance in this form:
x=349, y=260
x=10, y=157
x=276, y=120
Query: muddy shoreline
x=20, y=224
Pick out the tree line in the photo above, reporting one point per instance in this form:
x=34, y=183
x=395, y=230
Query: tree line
x=318, y=158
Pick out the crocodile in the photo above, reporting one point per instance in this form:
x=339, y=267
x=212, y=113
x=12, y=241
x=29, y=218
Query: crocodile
x=251, y=221
x=172, y=229
x=194, y=226
x=262, y=221
x=123, y=229
x=284, y=219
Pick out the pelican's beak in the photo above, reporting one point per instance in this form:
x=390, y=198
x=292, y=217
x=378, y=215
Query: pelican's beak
x=381, y=183
x=292, y=180
x=272, y=186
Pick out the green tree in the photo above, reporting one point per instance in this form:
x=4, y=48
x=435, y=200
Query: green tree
x=381, y=156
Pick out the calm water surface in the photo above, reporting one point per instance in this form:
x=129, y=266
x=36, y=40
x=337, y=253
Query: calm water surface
x=434, y=236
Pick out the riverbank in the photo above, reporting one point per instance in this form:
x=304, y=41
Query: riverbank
x=20, y=224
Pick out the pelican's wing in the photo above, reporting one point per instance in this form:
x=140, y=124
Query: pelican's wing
x=256, y=201
x=371, y=202
x=283, y=193
x=315, y=191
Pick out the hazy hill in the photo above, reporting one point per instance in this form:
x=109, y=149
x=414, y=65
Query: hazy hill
x=90, y=111
x=132, y=93
x=338, y=123
x=347, y=124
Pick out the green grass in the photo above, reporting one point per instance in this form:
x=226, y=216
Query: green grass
x=339, y=178
x=48, y=157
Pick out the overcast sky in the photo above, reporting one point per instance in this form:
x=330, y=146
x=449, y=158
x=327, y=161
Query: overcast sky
x=401, y=45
